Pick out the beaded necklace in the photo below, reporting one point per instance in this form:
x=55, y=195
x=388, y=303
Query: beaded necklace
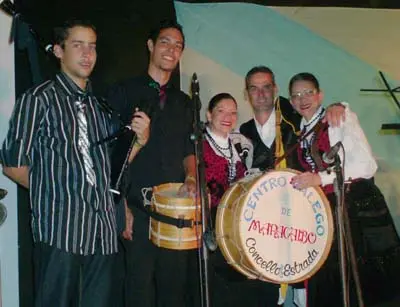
x=229, y=157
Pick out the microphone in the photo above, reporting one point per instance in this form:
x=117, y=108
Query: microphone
x=195, y=85
x=243, y=152
x=122, y=151
x=116, y=135
x=241, y=146
x=329, y=157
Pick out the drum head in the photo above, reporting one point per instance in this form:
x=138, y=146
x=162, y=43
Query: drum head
x=285, y=234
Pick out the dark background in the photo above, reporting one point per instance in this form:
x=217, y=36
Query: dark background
x=122, y=27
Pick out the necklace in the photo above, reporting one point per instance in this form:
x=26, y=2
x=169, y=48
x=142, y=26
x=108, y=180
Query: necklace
x=316, y=118
x=229, y=157
x=308, y=141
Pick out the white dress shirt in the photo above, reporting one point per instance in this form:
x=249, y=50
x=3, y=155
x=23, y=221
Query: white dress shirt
x=267, y=131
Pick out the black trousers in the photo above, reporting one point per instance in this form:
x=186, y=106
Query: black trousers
x=154, y=276
x=66, y=280
x=227, y=287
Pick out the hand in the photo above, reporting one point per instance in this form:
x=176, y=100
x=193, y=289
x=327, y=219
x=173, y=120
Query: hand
x=127, y=234
x=306, y=180
x=141, y=126
x=335, y=114
x=188, y=188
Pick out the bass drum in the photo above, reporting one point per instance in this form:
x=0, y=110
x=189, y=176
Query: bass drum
x=270, y=231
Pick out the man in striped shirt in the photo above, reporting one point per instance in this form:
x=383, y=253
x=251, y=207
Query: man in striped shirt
x=48, y=151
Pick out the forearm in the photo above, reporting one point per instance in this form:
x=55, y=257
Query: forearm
x=189, y=164
x=189, y=186
x=18, y=174
x=135, y=150
x=358, y=160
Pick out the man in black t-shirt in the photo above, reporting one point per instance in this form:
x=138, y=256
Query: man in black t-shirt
x=156, y=275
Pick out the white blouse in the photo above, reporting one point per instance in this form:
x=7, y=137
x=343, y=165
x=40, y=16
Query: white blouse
x=358, y=159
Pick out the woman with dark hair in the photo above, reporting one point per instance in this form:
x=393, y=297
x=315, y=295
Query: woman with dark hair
x=306, y=98
x=226, y=154
x=225, y=161
x=359, y=166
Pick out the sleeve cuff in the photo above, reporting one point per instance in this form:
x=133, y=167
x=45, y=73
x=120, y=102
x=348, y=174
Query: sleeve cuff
x=326, y=178
x=12, y=158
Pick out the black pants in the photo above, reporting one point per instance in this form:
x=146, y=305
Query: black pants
x=66, y=280
x=228, y=287
x=155, y=276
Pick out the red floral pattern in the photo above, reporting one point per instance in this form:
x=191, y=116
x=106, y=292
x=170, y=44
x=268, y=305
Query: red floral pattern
x=216, y=169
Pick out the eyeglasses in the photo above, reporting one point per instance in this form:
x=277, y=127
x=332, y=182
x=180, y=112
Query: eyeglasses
x=306, y=93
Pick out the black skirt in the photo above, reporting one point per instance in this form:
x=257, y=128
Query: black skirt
x=377, y=247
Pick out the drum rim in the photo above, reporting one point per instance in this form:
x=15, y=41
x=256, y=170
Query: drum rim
x=329, y=222
x=161, y=199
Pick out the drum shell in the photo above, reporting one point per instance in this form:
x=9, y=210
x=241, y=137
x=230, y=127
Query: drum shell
x=227, y=236
x=166, y=202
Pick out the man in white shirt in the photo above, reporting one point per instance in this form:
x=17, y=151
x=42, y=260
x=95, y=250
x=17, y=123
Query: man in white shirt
x=273, y=131
x=274, y=116
x=262, y=93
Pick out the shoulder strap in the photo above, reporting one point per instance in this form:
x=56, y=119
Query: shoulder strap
x=319, y=127
x=291, y=149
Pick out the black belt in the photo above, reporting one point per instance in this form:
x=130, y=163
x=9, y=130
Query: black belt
x=177, y=222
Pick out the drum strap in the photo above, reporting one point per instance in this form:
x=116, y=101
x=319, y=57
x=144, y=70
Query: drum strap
x=177, y=222
x=294, y=147
x=319, y=127
x=279, y=148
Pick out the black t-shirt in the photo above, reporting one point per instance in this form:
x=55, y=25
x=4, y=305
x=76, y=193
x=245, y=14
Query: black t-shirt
x=161, y=159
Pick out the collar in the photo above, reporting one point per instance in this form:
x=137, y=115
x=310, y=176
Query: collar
x=319, y=113
x=221, y=141
x=154, y=84
x=70, y=88
x=269, y=122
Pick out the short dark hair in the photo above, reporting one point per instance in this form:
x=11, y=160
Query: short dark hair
x=61, y=32
x=165, y=24
x=304, y=76
x=217, y=98
x=258, y=69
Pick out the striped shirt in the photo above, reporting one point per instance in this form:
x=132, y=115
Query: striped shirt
x=67, y=212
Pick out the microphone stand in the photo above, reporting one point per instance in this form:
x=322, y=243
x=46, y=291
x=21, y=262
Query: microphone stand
x=26, y=38
x=201, y=192
x=343, y=228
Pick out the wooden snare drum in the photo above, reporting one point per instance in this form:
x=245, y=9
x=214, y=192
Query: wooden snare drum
x=165, y=201
x=268, y=230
